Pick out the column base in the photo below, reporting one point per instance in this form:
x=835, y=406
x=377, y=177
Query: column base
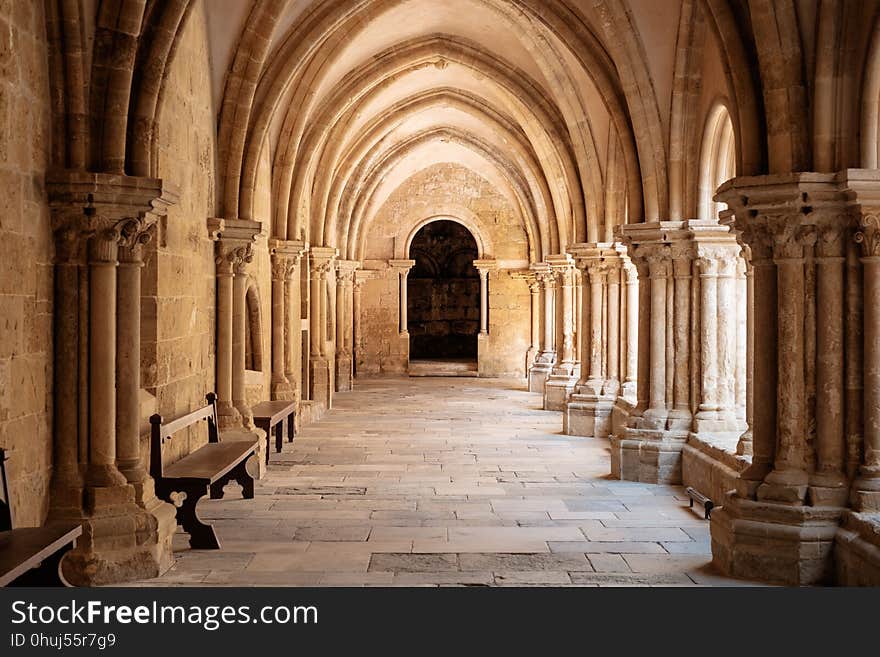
x=320, y=382
x=162, y=517
x=774, y=542
x=647, y=455
x=343, y=374
x=121, y=541
x=588, y=415
x=559, y=385
x=228, y=415
x=283, y=391
x=538, y=374
x=857, y=550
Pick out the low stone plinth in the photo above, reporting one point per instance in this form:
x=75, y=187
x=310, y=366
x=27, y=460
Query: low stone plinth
x=587, y=415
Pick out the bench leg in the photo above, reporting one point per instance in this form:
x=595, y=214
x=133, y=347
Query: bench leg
x=217, y=489
x=201, y=535
x=290, y=428
x=280, y=429
x=47, y=573
x=244, y=479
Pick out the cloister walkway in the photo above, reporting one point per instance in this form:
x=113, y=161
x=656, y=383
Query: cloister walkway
x=435, y=481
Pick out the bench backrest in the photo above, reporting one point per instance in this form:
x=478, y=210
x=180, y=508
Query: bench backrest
x=5, y=503
x=160, y=431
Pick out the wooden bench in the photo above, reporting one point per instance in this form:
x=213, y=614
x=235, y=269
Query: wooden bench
x=204, y=471
x=31, y=556
x=278, y=415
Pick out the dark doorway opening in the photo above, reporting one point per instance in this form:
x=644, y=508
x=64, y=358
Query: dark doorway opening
x=443, y=288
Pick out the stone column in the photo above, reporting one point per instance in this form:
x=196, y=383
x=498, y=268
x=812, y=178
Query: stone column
x=484, y=342
x=563, y=377
x=126, y=532
x=682, y=260
x=649, y=447
x=239, y=331
x=782, y=521
x=234, y=252
x=866, y=488
x=535, y=333
x=286, y=329
x=612, y=374
x=632, y=332
x=345, y=271
x=659, y=272
x=829, y=484
x=543, y=364
x=357, y=331
x=320, y=366
x=588, y=409
x=402, y=268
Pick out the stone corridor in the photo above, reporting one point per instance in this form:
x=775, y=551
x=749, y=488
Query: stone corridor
x=436, y=481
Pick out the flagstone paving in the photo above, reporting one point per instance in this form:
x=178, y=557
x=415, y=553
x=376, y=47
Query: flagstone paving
x=436, y=482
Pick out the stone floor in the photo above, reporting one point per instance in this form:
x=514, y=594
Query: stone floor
x=447, y=482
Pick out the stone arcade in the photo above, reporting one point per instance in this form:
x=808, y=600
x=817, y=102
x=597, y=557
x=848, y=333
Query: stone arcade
x=657, y=222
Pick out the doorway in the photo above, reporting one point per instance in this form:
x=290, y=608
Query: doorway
x=443, y=290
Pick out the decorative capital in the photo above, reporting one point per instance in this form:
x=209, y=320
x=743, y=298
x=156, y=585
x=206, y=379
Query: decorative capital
x=868, y=235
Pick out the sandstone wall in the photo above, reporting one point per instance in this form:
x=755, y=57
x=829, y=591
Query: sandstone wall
x=451, y=191
x=26, y=276
x=178, y=363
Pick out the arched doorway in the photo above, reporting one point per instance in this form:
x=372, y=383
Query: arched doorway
x=443, y=290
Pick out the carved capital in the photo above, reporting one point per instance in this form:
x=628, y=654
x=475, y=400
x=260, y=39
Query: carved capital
x=868, y=235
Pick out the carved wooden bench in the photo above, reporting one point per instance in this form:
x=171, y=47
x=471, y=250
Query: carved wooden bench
x=278, y=415
x=206, y=470
x=31, y=556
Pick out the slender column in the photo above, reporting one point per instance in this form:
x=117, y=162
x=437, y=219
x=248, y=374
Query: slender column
x=357, y=346
x=535, y=291
x=340, y=314
x=742, y=339
x=224, y=341
x=727, y=337
x=632, y=331
x=708, y=266
x=612, y=379
x=746, y=379
x=566, y=288
x=128, y=352
x=281, y=267
x=658, y=266
x=324, y=290
x=787, y=481
x=484, y=301
x=102, y=470
x=239, y=329
x=71, y=259
x=764, y=297
x=866, y=488
x=315, y=308
x=292, y=333
x=597, y=273
x=577, y=291
x=682, y=265
x=403, y=274
x=830, y=418
x=549, y=347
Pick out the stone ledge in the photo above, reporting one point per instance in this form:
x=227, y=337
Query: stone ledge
x=857, y=550
x=711, y=466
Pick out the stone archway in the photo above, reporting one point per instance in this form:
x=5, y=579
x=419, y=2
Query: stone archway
x=443, y=296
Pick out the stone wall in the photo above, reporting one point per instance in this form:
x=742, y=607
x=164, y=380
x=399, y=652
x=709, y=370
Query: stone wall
x=178, y=347
x=26, y=275
x=449, y=191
